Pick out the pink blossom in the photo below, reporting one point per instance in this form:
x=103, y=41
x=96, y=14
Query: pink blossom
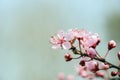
x=90, y=40
x=83, y=44
x=111, y=44
x=79, y=34
x=60, y=41
x=86, y=38
x=100, y=74
x=69, y=35
x=66, y=45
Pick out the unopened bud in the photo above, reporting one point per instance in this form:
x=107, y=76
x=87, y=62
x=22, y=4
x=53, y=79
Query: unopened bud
x=111, y=44
x=119, y=55
x=92, y=66
x=91, y=52
x=82, y=63
x=105, y=66
x=99, y=74
x=68, y=57
x=113, y=73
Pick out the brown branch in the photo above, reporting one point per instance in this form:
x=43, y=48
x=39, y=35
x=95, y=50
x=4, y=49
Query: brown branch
x=75, y=51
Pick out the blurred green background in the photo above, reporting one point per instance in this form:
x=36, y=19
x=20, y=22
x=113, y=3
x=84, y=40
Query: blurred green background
x=27, y=25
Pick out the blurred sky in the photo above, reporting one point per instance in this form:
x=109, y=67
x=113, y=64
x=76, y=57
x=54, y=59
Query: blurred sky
x=27, y=25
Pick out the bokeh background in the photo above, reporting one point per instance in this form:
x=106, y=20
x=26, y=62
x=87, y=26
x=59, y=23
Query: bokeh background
x=27, y=25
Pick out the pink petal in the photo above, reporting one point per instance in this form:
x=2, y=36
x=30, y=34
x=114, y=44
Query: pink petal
x=61, y=34
x=104, y=66
x=66, y=45
x=53, y=40
x=69, y=36
x=56, y=46
x=83, y=73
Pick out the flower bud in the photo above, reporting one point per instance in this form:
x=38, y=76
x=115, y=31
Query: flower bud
x=68, y=57
x=92, y=66
x=105, y=66
x=91, y=52
x=82, y=63
x=99, y=74
x=113, y=73
x=119, y=55
x=111, y=44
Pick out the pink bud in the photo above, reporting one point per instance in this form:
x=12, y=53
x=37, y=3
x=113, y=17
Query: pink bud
x=119, y=55
x=82, y=63
x=81, y=70
x=99, y=74
x=68, y=57
x=92, y=66
x=61, y=76
x=111, y=44
x=98, y=41
x=83, y=74
x=104, y=66
x=96, y=44
x=113, y=73
x=91, y=52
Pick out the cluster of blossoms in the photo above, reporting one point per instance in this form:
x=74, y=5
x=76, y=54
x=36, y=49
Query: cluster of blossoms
x=83, y=44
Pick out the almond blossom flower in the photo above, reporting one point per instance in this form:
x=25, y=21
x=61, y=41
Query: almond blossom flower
x=90, y=40
x=84, y=43
x=60, y=41
x=79, y=34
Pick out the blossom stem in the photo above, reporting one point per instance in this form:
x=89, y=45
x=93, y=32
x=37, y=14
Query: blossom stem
x=99, y=59
x=80, y=46
x=98, y=54
x=77, y=57
x=106, y=54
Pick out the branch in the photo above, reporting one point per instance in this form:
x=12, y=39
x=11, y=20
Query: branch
x=75, y=51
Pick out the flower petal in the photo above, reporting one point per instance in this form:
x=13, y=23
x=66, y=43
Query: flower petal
x=56, y=46
x=66, y=45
